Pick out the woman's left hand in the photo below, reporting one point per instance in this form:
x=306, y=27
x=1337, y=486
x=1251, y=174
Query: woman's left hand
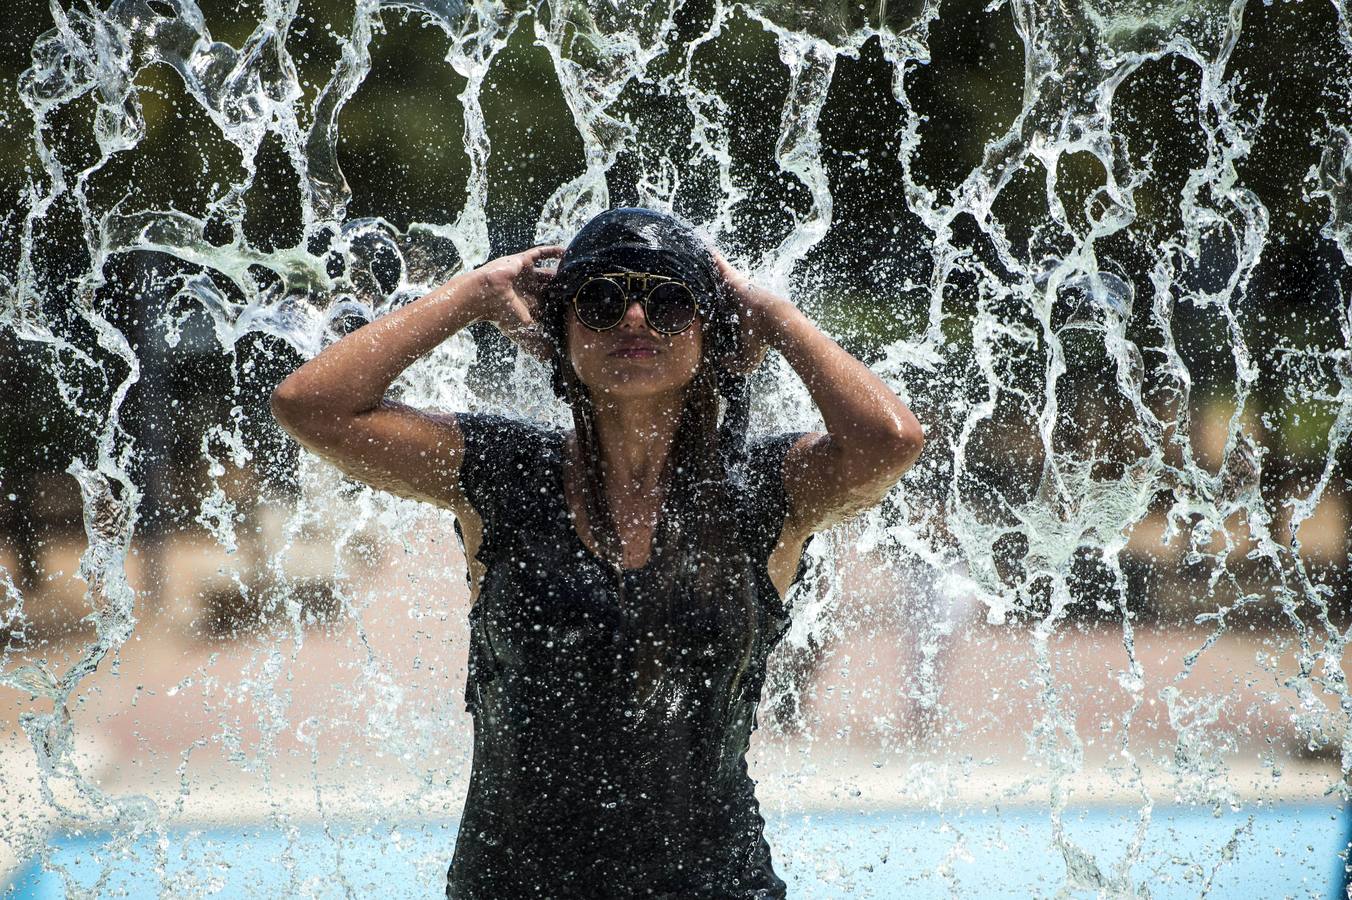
x=757, y=314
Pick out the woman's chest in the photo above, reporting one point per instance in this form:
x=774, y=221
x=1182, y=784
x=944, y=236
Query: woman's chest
x=547, y=602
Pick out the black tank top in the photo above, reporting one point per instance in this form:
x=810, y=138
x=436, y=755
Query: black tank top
x=586, y=780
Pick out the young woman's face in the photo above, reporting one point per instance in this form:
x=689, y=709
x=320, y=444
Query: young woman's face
x=632, y=361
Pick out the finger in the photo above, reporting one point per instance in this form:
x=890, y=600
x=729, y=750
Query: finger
x=544, y=251
x=533, y=275
x=530, y=285
x=532, y=272
x=514, y=317
x=521, y=314
x=731, y=276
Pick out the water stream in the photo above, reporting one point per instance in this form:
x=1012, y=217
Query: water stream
x=1058, y=299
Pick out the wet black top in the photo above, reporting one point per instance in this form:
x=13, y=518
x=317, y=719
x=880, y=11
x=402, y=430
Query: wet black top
x=596, y=774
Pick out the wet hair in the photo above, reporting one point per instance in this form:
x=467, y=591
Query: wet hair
x=695, y=542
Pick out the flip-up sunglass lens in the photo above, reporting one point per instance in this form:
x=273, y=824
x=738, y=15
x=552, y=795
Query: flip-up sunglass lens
x=601, y=303
x=670, y=307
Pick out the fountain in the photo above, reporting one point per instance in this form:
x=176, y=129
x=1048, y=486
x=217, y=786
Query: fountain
x=1094, y=641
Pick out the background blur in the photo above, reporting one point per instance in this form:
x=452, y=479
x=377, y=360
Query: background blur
x=296, y=649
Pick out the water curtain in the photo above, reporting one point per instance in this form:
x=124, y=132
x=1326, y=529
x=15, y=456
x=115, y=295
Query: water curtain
x=1039, y=319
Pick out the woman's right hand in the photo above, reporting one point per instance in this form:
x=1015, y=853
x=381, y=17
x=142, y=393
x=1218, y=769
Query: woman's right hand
x=508, y=295
x=757, y=312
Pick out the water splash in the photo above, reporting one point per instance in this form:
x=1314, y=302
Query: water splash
x=1045, y=297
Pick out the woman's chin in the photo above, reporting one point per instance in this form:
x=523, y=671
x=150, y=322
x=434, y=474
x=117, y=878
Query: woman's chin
x=634, y=387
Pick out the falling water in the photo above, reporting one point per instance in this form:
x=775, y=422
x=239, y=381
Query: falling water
x=1036, y=294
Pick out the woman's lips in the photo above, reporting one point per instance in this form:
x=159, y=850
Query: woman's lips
x=635, y=352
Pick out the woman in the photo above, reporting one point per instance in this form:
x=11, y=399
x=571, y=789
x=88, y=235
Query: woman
x=627, y=576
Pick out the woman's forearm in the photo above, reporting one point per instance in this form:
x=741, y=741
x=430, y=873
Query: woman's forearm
x=863, y=416
x=352, y=375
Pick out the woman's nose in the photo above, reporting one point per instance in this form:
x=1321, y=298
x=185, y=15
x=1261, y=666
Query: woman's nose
x=633, y=316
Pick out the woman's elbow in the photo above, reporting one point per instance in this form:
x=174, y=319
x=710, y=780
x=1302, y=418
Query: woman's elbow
x=904, y=444
x=287, y=405
x=883, y=455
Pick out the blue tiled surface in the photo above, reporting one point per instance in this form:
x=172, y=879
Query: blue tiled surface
x=1279, y=851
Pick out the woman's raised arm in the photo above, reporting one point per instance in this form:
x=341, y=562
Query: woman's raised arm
x=871, y=437
x=335, y=406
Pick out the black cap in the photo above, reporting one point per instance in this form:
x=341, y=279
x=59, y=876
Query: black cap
x=641, y=240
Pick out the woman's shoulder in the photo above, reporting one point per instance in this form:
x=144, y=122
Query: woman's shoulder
x=505, y=431
x=502, y=452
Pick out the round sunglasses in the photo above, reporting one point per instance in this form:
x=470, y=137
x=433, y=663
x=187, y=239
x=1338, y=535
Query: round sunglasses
x=668, y=305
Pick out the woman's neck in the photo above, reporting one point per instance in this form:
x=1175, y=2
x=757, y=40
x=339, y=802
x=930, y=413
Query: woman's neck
x=635, y=437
